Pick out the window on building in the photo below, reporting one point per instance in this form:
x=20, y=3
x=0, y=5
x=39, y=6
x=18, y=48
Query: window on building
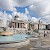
x=15, y=24
x=18, y=25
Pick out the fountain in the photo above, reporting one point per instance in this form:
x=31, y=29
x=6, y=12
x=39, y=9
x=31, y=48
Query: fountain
x=13, y=41
x=10, y=40
x=3, y=27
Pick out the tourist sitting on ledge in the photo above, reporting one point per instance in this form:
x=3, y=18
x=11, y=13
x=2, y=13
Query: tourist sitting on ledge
x=28, y=33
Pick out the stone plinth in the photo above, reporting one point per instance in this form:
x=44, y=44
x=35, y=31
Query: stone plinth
x=6, y=33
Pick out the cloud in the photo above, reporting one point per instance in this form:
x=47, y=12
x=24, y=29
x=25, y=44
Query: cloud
x=1, y=13
x=46, y=19
x=38, y=7
x=32, y=7
x=14, y=13
x=11, y=4
x=23, y=3
x=23, y=17
x=14, y=10
x=26, y=11
x=42, y=9
x=34, y=19
x=5, y=16
x=7, y=4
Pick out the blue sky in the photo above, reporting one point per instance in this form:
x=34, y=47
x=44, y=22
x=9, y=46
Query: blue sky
x=34, y=9
x=21, y=10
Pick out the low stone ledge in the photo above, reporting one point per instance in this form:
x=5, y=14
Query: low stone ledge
x=17, y=45
x=4, y=33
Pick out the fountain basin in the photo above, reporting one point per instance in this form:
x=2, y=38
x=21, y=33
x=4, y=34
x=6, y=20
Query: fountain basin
x=16, y=40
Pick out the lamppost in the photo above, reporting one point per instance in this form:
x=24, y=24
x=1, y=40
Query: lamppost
x=39, y=23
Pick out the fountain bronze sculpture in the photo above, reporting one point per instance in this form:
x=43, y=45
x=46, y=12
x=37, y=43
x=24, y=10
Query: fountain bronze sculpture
x=5, y=33
x=3, y=28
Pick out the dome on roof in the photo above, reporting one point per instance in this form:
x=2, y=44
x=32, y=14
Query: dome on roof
x=16, y=16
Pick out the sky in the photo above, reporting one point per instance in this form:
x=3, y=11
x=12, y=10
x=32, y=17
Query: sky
x=33, y=10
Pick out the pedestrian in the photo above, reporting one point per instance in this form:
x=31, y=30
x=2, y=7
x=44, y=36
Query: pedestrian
x=44, y=34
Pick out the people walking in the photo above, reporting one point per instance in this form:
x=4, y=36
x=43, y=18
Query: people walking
x=44, y=33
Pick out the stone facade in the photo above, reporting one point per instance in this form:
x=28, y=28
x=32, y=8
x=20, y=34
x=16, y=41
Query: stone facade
x=37, y=26
x=42, y=26
x=19, y=25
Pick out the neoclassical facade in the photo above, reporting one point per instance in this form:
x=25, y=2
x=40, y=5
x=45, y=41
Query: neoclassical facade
x=37, y=26
x=18, y=25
